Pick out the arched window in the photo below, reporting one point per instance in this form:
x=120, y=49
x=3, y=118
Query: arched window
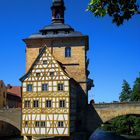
x=58, y=15
x=67, y=52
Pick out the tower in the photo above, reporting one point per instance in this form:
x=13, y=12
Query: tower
x=58, y=9
x=55, y=86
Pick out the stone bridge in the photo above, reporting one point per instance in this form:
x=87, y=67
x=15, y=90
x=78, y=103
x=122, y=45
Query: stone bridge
x=100, y=113
x=96, y=115
x=11, y=116
x=113, y=110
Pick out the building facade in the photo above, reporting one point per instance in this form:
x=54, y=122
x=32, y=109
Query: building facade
x=3, y=91
x=55, y=86
x=13, y=99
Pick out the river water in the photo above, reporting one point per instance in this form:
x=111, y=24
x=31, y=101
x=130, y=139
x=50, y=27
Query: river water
x=99, y=134
x=11, y=138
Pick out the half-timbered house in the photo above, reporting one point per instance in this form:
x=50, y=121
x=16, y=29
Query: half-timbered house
x=55, y=86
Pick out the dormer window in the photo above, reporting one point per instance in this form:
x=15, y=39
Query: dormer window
x=67, y=32
x=38, y=74
x=55, y=32
x=44, y=62
x=67, y=52
x=51, y=74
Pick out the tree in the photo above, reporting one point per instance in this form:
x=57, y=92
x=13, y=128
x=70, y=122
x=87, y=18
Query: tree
x=128, y=125
x=126, y=92
x=135, y=96
x=118, y=10
x=137, y=127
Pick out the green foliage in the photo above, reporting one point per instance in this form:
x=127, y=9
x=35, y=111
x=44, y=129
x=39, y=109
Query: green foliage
x=137, y=127
x=129, y=125
x=118, y=10
x=126, y=92
x=135, y=96
x=107, y=127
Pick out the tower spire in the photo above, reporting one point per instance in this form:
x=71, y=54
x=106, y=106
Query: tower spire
x=58, y=9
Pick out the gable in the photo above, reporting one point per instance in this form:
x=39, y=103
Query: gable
x=45, y=68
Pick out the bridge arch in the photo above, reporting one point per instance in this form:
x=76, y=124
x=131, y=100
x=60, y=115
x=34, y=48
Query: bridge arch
x=9, y=121
x=97, y=114
x=111, y=117
x=109, y=111
x=12, y=117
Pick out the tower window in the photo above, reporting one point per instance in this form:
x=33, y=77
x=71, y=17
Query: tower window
x=36, y=103
x=44, y=87
x=58, y=15
x=60, y=124
x=67, y=52
x=29, y=88
x=27, y=104
x=48, y=103
x=60, y=87
x=62, y=103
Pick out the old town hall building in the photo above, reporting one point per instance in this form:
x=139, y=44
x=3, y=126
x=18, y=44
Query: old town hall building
x=55, y=86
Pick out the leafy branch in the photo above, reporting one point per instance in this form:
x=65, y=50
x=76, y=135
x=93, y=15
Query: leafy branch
x=118, y=10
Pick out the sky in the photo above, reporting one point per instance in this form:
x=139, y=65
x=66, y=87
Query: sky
x=114, y=52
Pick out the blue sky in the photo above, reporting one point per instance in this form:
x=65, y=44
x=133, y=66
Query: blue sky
x=114, y=51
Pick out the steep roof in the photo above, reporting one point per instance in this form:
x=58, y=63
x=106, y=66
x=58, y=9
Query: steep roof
x=38, y=57
x=57, y=28
x=15, y=90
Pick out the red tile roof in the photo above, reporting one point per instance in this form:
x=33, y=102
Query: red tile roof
x=15, y=90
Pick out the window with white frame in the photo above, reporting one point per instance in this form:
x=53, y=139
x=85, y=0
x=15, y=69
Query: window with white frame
x=44, y=87
x=37, y=124
x=29, y=87
x=27, y=103
x=62, y=103
x=43, y=124
x=35, y=103
x=52, y=74
x=44, y=62
x=60, y=124
x=60, y=87
x=48, y=103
